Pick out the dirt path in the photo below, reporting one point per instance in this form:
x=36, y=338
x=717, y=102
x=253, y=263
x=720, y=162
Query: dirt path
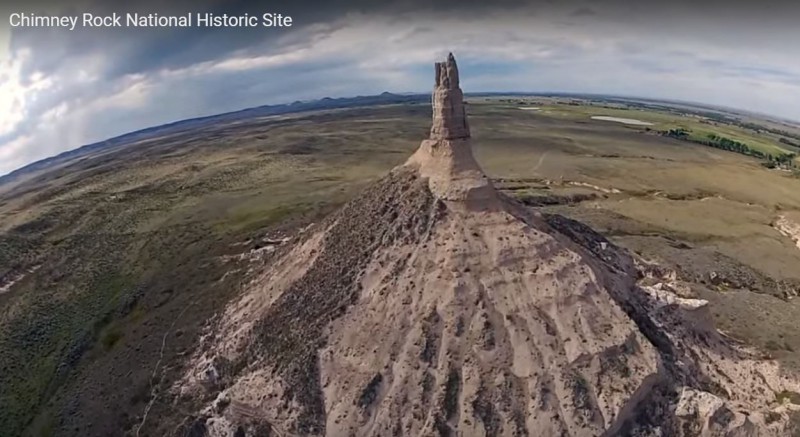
x=541, y=161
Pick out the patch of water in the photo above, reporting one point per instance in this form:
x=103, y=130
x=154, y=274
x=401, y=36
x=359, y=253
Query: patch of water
x=632, y=121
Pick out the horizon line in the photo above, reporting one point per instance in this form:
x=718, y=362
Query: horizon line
x=738, y=111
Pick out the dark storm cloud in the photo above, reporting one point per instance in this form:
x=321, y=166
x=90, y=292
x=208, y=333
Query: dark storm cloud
x=136, y=51
x=133, y=50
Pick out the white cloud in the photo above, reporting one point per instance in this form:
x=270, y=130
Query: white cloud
x=13, y=154
x=16, y=93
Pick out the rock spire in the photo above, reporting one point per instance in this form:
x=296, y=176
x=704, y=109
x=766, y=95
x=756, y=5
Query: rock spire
x=449, y=118
x=445, y=158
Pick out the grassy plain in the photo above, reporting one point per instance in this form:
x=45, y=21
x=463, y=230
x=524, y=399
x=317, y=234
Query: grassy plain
x=698, y=126
x=119, y=258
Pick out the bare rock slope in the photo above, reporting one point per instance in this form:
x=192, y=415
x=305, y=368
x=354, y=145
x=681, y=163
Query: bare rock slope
x=433, y=305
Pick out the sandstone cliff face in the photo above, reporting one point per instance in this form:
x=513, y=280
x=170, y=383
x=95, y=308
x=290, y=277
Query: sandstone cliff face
x=433, y=306
x=449, y=117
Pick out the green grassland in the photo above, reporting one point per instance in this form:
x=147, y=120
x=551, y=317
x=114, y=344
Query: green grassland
x=699, y=127
x=122, y=256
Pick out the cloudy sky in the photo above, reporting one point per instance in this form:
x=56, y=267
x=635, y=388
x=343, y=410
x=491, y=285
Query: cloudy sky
x=60, y=89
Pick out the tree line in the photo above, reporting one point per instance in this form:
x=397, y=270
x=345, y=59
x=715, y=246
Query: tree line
x=789, y=142
x=785, y=160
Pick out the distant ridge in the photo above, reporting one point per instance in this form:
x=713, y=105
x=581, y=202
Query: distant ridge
x=183, y=125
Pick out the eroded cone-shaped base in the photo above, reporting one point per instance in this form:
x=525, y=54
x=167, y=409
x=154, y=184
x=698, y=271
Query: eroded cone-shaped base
x=407, y=315
x=452, y=172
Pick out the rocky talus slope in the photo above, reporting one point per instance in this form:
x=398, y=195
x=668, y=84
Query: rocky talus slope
x=432, y=305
